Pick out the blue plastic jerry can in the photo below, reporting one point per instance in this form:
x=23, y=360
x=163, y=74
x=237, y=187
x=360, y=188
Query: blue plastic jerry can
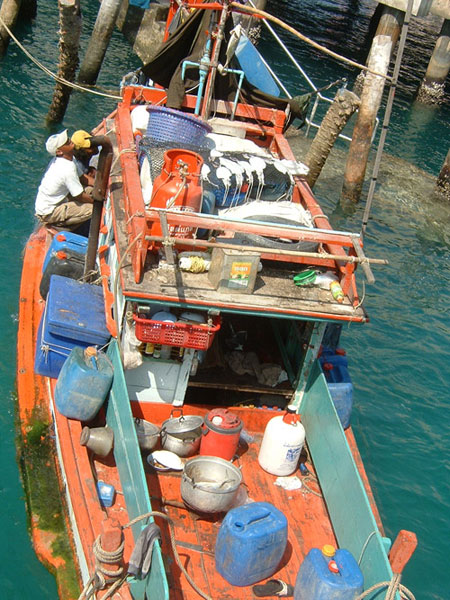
x=251, y=543
x=325, y=575
x=66, y=241
x=83, y=383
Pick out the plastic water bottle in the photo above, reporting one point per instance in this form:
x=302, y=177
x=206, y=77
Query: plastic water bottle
x=282, y=443
x=336, y=291
x=329, y=281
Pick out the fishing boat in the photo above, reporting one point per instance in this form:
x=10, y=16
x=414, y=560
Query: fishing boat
x=170, y=385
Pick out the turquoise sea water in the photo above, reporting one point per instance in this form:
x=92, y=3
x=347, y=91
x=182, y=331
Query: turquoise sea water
x=399, y=361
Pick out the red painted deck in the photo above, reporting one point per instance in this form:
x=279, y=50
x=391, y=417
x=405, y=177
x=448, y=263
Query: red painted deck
x=308, y=526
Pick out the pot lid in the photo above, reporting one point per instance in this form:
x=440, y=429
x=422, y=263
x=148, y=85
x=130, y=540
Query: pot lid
x=222, y=418
x=182, y=424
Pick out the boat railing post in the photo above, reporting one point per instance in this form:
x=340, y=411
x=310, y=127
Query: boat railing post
x=312, y=348
x=99, y=195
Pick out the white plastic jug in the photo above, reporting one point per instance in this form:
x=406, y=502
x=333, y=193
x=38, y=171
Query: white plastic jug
x=282, y=443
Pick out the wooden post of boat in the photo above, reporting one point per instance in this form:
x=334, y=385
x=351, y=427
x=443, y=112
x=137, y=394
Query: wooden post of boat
x=402, y=549
x=432, y=88
x=8, y=16
x=111, y=541
x=345, y=103
x=443, y=182
x=99, y=195
x=69, y=41
x=390, y=24
x=98, y=44
x=364, y=127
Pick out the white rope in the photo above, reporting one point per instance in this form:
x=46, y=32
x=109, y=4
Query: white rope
x=155, y=513
x=53, y=75
x=392, y=586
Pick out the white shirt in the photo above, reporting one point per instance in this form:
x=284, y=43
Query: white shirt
x=60, y=179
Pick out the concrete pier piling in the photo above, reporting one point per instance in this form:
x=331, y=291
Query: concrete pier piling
x=8, y=14
x=365, y=123
x=70, y=28
x=98, y=44
x=432, y=88
x=390, y=24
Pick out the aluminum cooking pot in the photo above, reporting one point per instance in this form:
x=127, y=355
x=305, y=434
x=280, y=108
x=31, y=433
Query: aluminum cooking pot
x=210, y=484
x=147, y=434
x=182, y=435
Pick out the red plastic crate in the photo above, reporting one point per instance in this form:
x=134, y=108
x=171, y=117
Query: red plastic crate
x=186, y=335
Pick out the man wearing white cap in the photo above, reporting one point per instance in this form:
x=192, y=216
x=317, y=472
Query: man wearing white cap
x=61, y=200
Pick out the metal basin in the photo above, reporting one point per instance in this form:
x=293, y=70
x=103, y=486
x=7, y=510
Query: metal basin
x=182, y=435
x=209, y=484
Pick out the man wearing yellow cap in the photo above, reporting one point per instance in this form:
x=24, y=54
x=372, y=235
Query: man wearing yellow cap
x=61, y=199
x=85, y=154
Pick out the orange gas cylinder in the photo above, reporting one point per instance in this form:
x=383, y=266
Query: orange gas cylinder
x=178, y=187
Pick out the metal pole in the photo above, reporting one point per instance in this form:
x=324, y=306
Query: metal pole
x=99, y=195
x=214, y=62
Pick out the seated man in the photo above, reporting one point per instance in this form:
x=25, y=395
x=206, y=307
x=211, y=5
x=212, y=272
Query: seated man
x=61, y=199
x=86, y=154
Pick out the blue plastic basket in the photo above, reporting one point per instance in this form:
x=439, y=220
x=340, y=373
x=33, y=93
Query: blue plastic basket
x=170, y=125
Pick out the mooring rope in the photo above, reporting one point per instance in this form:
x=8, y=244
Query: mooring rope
x=155, y=513
x=392, y=586
x=54, y=76
x=86, y=594
x=269, y=17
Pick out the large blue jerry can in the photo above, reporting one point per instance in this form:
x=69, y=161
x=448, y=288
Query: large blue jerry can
x=65, y=263
x=315, y=581
x=83, y=383
x=66, y=241
x=250, y=543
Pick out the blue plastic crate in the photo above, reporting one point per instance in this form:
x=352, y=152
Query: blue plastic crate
x=52, y=351
x=76, y=310
x=74, y=316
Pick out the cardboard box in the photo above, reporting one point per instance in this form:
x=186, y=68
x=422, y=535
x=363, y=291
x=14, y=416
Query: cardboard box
x=233, y=271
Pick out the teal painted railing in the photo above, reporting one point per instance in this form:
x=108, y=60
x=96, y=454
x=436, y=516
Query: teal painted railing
x=132, y=477
x=347, y=502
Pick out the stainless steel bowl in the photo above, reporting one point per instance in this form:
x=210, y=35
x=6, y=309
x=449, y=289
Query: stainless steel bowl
x=209, y=484
x=147, y=434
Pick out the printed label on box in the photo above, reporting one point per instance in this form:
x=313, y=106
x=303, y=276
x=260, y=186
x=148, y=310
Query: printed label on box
x=239, y=274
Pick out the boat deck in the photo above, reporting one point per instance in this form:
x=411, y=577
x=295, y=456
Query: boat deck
x=309, y=524
x=274, y=293
x=195, y=534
